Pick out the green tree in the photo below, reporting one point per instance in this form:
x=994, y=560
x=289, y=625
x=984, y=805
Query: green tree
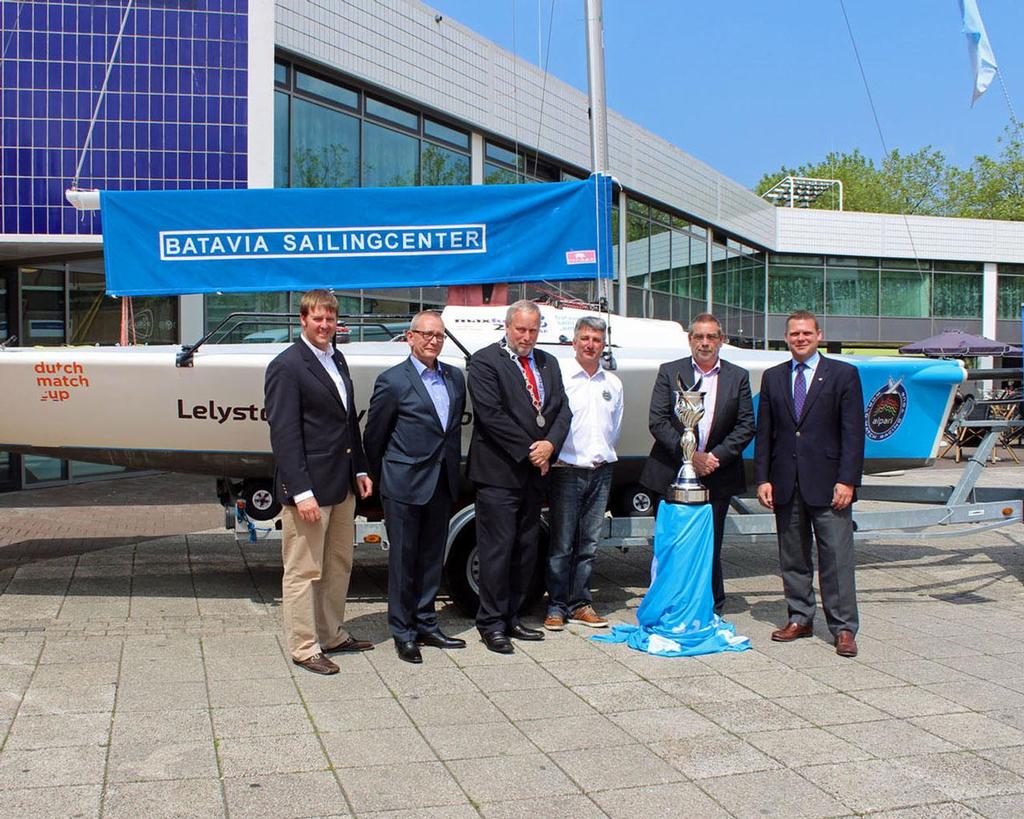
x=923, y=182
x=993, y=188
x=902, y=183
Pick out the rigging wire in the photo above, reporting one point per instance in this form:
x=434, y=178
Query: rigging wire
x=544, y=81
x=103, y=92
x=14, y=29
x=878, y=127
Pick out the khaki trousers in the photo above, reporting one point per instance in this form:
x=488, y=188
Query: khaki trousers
x=317, y=560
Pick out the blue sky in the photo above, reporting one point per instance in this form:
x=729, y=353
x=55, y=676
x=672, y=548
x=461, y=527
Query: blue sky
x=750, y=85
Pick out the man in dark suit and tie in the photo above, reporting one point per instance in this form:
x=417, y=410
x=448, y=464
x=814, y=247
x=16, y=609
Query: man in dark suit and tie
x=412, y=439
x=809, y=456
x=722, y=433
x=318, y=455
x=521, y=418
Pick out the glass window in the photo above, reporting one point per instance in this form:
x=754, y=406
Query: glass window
x=280, y=73
x=795, y=288
x=638, y=233
x=390, y=159
x=435, y=130
x=499, y=154
x=382, y=110
x=959, y=267
x=441, y=166
x=639, y=208
x=1011, y=296
x=956, y=295
x=219, y=305
x=327, y=90
x=793, y=259
x=325, y=149
x=905, y=264
x=661, y=216
x=95, y=318
x=851, y=261
x=42, y=469
x=42, y=298
x=497, y=175
x=906, y=293
x=851, y=292
x=281, y=150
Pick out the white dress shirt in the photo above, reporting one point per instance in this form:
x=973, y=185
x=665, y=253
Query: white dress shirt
x=812, y=366
x=326, y=359
x=708, y=386
x=596, y=404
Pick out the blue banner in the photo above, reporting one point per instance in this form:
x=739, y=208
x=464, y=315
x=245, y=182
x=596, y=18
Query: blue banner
x=175, y=242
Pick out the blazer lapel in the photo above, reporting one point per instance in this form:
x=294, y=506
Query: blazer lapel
x=686, y=374
x=786, y=372
x=449, y=384
x=421, y=389
x=320, y=374
x=722, y=391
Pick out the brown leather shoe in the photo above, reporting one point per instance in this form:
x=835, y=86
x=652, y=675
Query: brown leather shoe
x=554, y=622
x=318, y=664
x=586, y=616
x=792, y=631
x=350, y=646
x=846, y=646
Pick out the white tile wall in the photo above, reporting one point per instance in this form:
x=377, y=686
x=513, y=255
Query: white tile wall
x=395, y=44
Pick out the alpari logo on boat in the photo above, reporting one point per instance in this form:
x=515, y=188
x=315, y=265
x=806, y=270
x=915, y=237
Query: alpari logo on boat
x=59, y=379
x=886, y=411
x=321, y=243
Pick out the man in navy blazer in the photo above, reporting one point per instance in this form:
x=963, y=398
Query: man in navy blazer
x=809, y=456
x=723, y=433
x=520, y=420
x=318, y=458
x=413, y=435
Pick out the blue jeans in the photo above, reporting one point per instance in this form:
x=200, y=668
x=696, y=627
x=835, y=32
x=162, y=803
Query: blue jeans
x=578, y=501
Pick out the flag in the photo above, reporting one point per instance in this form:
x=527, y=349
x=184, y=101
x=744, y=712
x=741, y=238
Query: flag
x=979, y=50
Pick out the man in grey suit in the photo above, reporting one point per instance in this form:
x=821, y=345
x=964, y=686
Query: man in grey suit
x=722, y=434
x=412, y=441
x=808, y=460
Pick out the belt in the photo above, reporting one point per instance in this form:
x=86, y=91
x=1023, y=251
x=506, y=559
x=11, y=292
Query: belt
x=590, y=468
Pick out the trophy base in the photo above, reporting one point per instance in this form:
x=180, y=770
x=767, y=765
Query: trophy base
x=687, y=495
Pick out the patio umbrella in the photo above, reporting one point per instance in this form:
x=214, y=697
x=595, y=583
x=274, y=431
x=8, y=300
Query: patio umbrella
x=959, y=343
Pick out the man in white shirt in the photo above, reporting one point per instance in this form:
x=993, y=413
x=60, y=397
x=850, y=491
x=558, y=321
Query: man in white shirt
x=581, y=478
x=319, y=465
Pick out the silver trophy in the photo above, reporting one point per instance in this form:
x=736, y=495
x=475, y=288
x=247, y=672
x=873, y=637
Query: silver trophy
x=689, y=409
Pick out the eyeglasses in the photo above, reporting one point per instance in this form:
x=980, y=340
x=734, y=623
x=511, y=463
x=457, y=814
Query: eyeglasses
x=428, y=336
x=709, y=337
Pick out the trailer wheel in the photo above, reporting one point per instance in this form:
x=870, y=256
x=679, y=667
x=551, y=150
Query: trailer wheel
x=634, y=501
x=462, y=571
x=260, y=503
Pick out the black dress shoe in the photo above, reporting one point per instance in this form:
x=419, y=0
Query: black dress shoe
x=437, y=639
x=497, y=641
x=521, y=632
x=407, y=650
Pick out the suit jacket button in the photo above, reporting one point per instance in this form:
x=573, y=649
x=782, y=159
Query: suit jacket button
x=798, y=433
x=348, y=451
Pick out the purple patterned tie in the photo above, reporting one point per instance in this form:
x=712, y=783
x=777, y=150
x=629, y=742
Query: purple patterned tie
x=799, y=389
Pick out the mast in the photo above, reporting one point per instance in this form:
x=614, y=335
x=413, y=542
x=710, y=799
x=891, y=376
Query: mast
x=593, y=13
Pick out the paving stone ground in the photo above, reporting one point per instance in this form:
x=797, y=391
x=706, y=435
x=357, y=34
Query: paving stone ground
x=142, y=673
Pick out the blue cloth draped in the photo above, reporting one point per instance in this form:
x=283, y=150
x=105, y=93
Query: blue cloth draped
x=677, y=616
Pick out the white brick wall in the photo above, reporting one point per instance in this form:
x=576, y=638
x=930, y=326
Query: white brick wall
x=893, y=236
x=395, y=44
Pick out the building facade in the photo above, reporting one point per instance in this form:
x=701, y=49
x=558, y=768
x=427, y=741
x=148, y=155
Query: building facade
x=183, y=95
